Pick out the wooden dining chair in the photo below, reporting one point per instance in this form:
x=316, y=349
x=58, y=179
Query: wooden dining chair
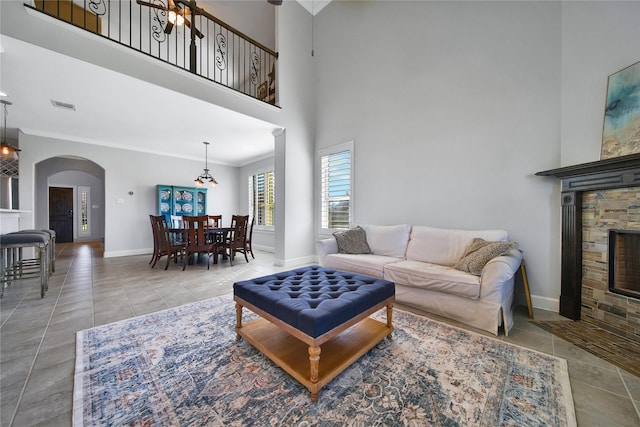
x=237, y=239
x=154, y=230
x=166, y=243
x=216, y=239
x=197, y=237
x=250, y=237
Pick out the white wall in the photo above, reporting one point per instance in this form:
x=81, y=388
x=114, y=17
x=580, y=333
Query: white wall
x=127, y=228
x=95, y=208
x=255, y=18
x=453, y=106
x=139, y=172
x=598, y=39
x=294, y=147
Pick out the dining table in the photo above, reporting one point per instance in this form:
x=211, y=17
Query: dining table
x=217, y=236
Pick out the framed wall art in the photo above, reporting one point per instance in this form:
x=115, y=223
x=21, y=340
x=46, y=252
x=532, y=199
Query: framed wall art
x=621, y=128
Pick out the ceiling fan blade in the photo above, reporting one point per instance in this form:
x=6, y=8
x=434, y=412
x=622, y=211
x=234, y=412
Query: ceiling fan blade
x=195, y=30
x=168, y=28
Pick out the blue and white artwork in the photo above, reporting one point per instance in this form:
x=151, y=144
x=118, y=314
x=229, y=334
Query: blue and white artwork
x=621, y=130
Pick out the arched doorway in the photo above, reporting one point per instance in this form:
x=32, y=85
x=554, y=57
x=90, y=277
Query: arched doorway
x=81, y=181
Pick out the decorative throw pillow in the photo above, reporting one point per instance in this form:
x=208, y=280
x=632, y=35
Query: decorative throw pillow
x=352, y=241
x=479, y=253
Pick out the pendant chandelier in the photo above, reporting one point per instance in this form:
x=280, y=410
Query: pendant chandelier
x=7, y=151
x=206, y=176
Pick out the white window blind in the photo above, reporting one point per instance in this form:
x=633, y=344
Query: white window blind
x=262, y=198
x=336, y=182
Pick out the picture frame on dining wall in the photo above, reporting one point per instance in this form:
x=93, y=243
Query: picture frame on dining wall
x=621, y=127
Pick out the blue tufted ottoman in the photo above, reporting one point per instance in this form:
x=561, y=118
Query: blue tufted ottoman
x=303, y=309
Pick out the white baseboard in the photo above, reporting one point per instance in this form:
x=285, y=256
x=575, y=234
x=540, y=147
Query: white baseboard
x=114, y=254
x=311, y=259
x=544, y=303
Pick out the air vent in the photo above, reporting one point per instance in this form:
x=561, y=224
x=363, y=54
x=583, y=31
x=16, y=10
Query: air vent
x=64, y=105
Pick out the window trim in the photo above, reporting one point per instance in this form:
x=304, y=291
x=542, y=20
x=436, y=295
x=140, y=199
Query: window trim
x=250, y=175
x=322, y=152
x=87, y=190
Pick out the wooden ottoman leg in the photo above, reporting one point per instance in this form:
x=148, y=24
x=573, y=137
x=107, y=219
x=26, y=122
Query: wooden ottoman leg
x=390, y=319
x=238, y=320
x=314, y=361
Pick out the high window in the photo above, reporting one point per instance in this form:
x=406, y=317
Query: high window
x=262, y=198
x=336, y=180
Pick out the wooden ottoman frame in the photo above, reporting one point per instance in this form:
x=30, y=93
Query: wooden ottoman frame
x=286, y=345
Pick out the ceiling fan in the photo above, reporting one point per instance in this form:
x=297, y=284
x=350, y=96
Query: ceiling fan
x=176, y=15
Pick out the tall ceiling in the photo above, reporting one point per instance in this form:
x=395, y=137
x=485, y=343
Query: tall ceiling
x=119, y=111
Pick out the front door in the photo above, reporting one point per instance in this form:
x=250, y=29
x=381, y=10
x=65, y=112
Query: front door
x=61, y=213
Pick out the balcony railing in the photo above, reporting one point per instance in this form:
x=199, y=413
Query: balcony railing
x=180, y=33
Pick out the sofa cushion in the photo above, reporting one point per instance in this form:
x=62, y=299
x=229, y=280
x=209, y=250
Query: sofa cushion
x=443, y=246
x=369, y=265
x=433, y=277
x=480, y=252
x=389, y=240
x=352, y=241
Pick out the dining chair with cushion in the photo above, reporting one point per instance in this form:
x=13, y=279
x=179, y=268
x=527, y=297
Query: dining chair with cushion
x=237, y=239
x=166, y=242
x=197, y=237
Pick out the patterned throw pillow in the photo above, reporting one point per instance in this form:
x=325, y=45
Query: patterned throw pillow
x=353, y=241
x=479, y=253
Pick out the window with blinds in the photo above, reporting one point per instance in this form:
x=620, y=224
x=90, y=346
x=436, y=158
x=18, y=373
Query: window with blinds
x=262, y=198
x=336, y=185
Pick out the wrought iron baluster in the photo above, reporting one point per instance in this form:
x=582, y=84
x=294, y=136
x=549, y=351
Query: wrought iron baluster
x=226, y=55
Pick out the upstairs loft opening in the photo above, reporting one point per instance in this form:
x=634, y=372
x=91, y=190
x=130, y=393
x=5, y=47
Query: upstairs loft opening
x=183, y=34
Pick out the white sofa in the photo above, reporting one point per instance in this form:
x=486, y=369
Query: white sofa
x=420, y=261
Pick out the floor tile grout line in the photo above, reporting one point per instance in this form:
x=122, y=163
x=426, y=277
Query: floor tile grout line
x=35, y=358
x=105, y=276
x=15, y=308
x=624, y=383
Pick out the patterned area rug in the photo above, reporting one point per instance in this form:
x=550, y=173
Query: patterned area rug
x=183, y=366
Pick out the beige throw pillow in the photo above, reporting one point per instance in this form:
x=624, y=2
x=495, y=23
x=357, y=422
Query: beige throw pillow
x=479, y=253
x=353, y=241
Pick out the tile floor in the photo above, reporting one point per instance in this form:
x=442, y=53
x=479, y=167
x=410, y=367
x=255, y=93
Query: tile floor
x=37, y=336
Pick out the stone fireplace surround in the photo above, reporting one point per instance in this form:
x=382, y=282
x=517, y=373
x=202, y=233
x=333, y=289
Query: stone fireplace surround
x=596, y=197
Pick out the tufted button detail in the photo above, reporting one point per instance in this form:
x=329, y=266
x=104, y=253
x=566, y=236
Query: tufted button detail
x=314, y=299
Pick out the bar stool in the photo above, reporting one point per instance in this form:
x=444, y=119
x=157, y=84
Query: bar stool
x=13, y=265
x=52, y=245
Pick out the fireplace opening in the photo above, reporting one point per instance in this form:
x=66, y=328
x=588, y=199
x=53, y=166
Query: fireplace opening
x=624, y=262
